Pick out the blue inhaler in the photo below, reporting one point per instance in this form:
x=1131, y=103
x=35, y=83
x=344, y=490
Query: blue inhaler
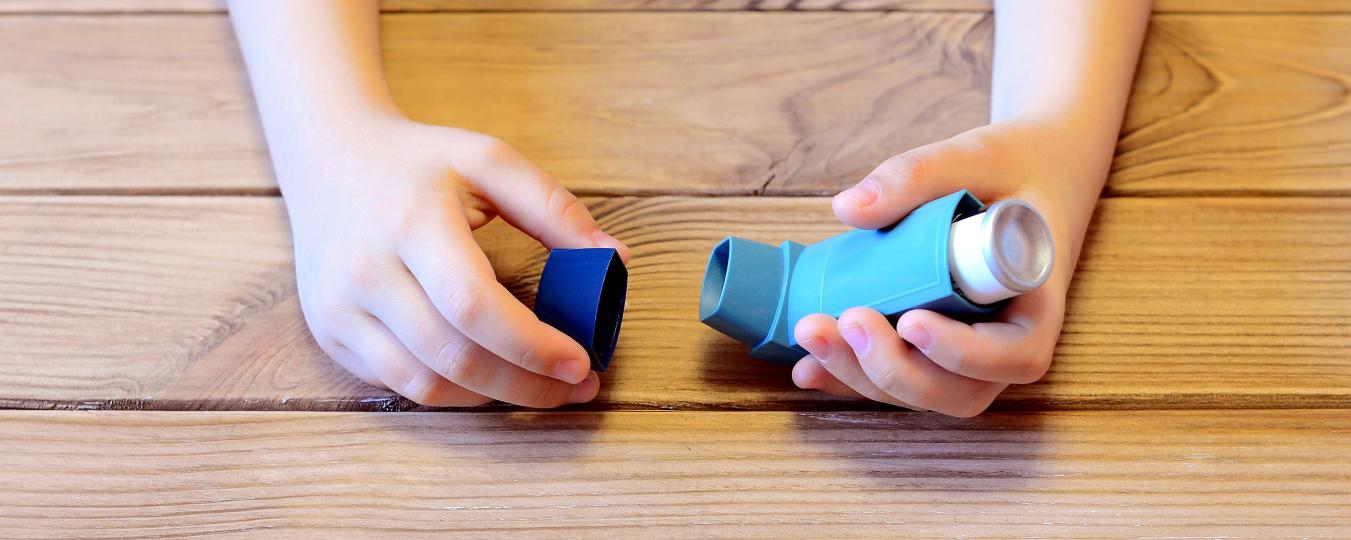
x=952, y=255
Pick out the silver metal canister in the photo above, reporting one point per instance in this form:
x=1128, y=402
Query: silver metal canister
x=1000, y=253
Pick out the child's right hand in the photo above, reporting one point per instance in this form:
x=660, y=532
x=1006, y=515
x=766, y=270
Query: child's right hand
x=925, y=360
x=391, y=281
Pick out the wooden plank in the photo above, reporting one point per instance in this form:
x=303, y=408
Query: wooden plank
x=102, y=104
x=689, y=475
x=702, y=102
x=1160, y=6
x=1202, y=121
x=111, y=6
x=164, y=302
x=754, y=102
x=216, y=6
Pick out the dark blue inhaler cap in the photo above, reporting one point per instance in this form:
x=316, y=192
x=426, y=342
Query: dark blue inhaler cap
x=581, y=293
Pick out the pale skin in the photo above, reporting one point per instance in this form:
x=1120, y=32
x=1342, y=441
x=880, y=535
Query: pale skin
x=395, y=289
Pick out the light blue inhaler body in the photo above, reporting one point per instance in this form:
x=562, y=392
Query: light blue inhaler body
x=756, y=293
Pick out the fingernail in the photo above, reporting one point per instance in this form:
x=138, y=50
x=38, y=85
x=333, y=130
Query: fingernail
x=819, y=349
x=586, y=390
x=917, y=336
x=864, y=194
x=568, y=370
x=857, y=338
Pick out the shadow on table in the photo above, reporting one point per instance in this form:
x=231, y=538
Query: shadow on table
x=727, y=367
x=911, y=451
x=506, y=437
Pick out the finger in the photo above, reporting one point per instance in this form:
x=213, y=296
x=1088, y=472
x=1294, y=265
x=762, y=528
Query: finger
x=817, y=334
x=399, y=371
x=533, y=202
x=809, y=374
x=405, y=309
x=317, y=318
x=349, y=361
x=1007, y=352
x=905, y=374
x=458, y=279
x=900, y=184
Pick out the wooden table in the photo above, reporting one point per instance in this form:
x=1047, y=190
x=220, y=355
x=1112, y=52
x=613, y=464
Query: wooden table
x=158, y=379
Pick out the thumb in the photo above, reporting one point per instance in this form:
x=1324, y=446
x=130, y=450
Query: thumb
x=531, y=201
x=971, y=161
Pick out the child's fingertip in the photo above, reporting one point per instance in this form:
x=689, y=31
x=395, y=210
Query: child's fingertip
x=918, y=336
x=818, y=348
x=856, y=337
x=586, y=390
x=572, y=370
x=803, y=374
x=863, y=195
x=603, y=239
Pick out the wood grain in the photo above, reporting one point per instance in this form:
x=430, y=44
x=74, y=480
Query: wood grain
x=216, y=6
x=1271, y=474
x=101, y=104
x=1160, y=6
x=189, y=303
x=733, y=103
x=1277, y=121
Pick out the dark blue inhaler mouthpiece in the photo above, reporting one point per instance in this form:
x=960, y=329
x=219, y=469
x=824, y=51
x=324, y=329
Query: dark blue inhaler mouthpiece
x=581, y=293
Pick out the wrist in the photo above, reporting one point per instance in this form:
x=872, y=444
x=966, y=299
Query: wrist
x=303, y=142
x=300, y=126
x=1073, y=154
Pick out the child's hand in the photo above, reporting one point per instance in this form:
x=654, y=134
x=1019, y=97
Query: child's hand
x=394, y=286
x=927, y=360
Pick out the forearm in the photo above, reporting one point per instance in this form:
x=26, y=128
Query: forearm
x=1070, y=62
x=315, y=69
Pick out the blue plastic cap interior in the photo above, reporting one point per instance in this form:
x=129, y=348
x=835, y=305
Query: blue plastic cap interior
x=581, y=293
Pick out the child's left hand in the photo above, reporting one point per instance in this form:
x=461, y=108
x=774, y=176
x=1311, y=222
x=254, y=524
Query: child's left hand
x=928, y=361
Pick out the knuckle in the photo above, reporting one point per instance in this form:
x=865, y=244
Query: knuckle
x=494, y=150
x=405, y=382
x=1034, y=368
x=407, y=226
x=985, y=142
x=955, y=360
x=464, y=304
x=904, y=170
x=562, y=202
x=419, y=390
x=431, y=390
x=363, y=272
x=993, y=147
x=527, y=355
x=892, y=382
x=455, y=361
